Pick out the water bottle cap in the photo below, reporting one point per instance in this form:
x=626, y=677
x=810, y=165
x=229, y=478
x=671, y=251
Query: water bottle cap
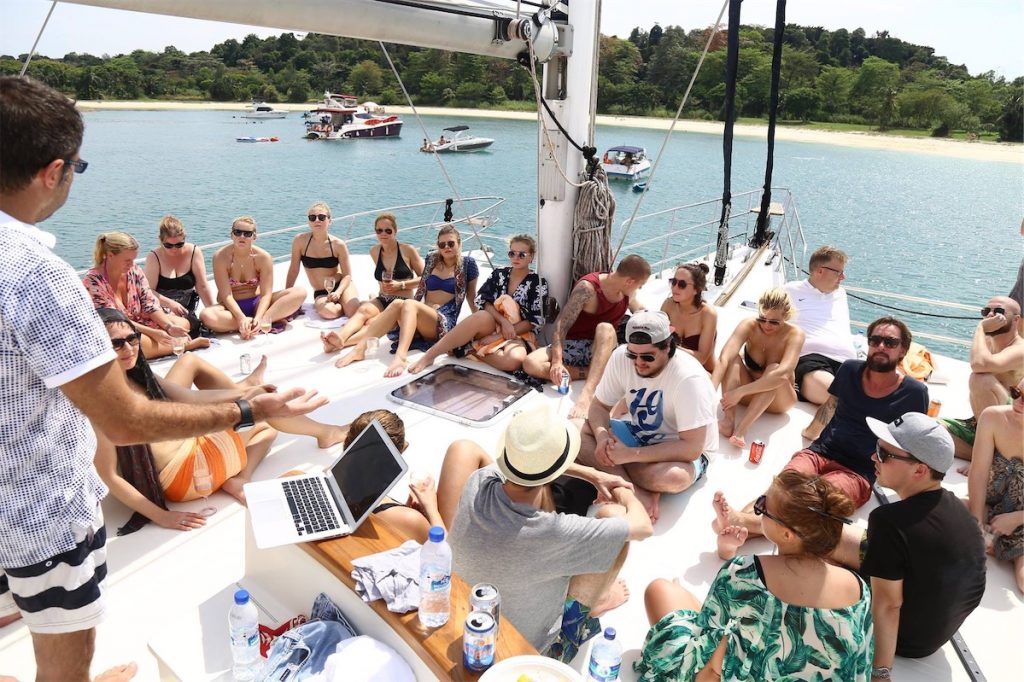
x=436, y=534
x=242, y=597
x=609, y=633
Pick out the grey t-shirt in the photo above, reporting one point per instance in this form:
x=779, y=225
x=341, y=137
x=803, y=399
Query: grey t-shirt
x=528, y=554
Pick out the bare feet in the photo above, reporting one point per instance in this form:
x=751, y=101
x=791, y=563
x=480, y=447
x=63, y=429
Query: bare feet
x=730, y=539
x=358, y=353
x=722, y=512
x=615, y=597
x=581, y=408
x=396, y=367
x=195, y=344
x=118, y=673
x=332, y=342
x=7, y=620
x=725, y=426
x=233, y=487
x=256, y=378
x=421, y=364
x=650, y=500
x=738, y=441
x=333, y=436
x=964, y=470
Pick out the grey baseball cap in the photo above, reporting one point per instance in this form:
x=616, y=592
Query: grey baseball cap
x=920, y=435
x=654, y=323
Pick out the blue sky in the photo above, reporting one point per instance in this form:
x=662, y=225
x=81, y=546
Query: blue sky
x=983, y=34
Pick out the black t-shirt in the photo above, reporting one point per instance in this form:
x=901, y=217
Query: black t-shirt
x=930, y=542
x=847, y=439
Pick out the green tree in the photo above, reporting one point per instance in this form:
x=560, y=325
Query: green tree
x=1011, y=120
x=366, y=79
x=833, y=86
x=875, y=90
x=801, y=103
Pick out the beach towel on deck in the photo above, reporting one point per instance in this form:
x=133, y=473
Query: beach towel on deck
x=225, y=455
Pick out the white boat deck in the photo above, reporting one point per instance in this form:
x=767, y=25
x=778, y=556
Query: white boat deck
x=168, y=590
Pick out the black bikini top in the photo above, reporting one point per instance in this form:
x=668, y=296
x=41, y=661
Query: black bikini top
x=401, y=271
x=325, y=262
x=179, y=283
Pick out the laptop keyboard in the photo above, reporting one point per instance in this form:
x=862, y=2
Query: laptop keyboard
x=311, y=510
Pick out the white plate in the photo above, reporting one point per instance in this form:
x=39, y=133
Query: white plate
x=538, y=668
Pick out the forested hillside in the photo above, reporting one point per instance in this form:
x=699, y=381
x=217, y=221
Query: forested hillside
x=827, y=76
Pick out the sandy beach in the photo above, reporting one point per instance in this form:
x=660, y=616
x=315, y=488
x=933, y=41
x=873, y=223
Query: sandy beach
x=978, y=151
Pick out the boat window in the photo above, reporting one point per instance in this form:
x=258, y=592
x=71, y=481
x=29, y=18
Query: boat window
x=462, y=394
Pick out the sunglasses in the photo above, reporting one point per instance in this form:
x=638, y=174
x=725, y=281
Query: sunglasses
x=313, y=217
x=1015, y=393
x=383, y=230
x=447, y=245
x=986, y=311
x=761, y=509
x=887, y=341
x=884, y=455
x=678, y=283
x=243, y=233
x=120, y=343
x=519, y=254
x=646, y=357
x=841, y=273
x=765, y=320
x=78, y=165
x=168, y=245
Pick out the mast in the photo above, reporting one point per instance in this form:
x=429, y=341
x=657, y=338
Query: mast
x=564, y=38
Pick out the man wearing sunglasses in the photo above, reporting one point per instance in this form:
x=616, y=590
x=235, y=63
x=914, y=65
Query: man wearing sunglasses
x=659, y=445
x=58, y=372
x=824, y=314
x=997, y=363
x=924, y=554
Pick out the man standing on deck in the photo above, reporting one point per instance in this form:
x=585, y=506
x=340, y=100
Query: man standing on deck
x=842, y=455
x=824, y=315
x=924, y=555
x=997, y=363
x=56, y=363
x=585, y=331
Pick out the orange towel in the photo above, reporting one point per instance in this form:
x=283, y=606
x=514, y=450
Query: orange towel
x=507, y=306
x=225, y=455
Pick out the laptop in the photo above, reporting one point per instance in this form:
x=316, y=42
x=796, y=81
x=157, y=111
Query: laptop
x=331, y=504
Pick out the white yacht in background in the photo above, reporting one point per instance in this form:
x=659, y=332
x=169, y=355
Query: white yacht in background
x=342, y=117
x=626, y=162
x=458, y=141
x=261, y=111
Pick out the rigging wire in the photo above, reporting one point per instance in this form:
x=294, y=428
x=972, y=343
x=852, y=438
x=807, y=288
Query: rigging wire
x=444, y=170
x=36, y=43
x=671, y=128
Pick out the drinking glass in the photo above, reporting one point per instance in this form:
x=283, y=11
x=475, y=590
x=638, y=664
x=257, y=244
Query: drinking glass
x=202, y=482
x=372, y=346
x=329, y=284
x=178, y=345
x=265, y=325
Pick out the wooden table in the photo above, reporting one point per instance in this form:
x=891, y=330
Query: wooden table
x=441, y=648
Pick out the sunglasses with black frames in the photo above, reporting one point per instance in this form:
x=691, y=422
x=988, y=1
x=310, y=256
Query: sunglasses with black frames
x=998, y=310
x=120, y=343
x=243, y=233
x=1016, y=393
x=518, y=254
x=313, y=217
x=646, y=357
x=168, y=245
x=383, y=230
x=761, y=509
x=887, y=341
x=447, y=245
x=77, y=165
x=678, y=283
x=884, y=455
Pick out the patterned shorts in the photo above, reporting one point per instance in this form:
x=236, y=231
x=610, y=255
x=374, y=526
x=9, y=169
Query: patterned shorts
x=577, y=629
x=577, y=352
x=65, y=592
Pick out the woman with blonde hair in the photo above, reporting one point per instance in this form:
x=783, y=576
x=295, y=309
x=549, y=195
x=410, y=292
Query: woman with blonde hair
x=757, y=364
x=694, y=320
x=178, y=269
x=245, y=286
x=449, y=278
x=115, y=281
x=324, y=257
x=398, y=268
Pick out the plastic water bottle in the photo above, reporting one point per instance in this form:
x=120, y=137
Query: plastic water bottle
x=605, y=658
x=245, y=638
x=435, y=580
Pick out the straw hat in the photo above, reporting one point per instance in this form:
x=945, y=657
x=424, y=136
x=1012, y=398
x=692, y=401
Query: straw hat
x=537, y=447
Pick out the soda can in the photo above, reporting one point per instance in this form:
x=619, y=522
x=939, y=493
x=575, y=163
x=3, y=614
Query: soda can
x=485, y=597
x=563, y=384
x=479, y=637
x=245, y=363
x=933, y=407
x=756, y=451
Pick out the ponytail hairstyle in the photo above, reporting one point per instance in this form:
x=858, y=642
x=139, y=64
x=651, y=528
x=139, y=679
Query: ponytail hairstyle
x=112, y=243
x=141, y=373
x=699, y=273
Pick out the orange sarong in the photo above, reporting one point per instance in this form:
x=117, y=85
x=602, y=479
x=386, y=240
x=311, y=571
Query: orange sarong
x=225, y=455
x=509, y=309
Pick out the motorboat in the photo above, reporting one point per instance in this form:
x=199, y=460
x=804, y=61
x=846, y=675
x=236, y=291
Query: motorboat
x=251, y=138
x=260, y=110
x=342, y=117
x=625, y=162
x=458, y=141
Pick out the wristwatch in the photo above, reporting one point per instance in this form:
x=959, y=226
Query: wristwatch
x=246, y=422
x=882, y=672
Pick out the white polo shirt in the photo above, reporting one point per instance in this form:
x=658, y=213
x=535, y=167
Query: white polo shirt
x=49, y=335
x=825, y=319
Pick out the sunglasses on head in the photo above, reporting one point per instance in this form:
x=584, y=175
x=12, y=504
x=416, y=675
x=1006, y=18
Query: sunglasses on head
x=450, y=244
x=243, y=233
x=383, y=230
x=761, y=509
x=678, y=283
x=999, y=310
x=313, y=217
x=764, y=320
x=77, y=165
x=120, y=343
x=884, y=455
x=168, y=245
x=887, y=341
x=518, y=254
x=646, y=357
x=1015, y=393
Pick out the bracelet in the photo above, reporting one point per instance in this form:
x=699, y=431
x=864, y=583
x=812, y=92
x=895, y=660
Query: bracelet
x=882, y=672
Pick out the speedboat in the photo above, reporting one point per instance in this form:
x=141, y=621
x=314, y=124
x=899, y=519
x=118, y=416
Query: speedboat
x=342, y=117
x=260, y=110
x=459, y=141
x=251, y=138
x=625, y=162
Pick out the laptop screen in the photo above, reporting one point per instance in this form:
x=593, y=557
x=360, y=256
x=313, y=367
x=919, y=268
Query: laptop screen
x=369, y=468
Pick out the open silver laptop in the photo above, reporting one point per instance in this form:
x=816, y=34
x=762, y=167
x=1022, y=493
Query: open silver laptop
x=331, y=504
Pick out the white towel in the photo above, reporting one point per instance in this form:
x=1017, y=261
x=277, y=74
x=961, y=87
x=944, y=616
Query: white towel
x=315, y=321
x=392, y=576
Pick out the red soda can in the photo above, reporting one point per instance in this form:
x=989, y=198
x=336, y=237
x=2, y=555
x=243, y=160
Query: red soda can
x=756, y=451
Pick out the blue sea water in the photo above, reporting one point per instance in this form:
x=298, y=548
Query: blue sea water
x=924, y=225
